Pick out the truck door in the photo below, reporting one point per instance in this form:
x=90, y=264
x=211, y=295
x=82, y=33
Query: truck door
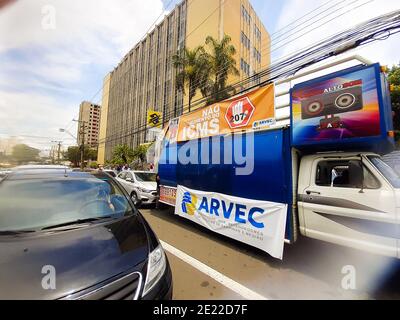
x=348, y=203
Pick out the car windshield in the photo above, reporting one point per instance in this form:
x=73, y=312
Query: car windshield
x=145, y=177
x=38, y=203
x=390, y=174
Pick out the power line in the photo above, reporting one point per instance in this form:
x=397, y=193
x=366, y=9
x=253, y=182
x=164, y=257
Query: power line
x=202, y=100
x=170, y=104
x=67, y=127
x=349, y=42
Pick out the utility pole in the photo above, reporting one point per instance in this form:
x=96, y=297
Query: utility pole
x=59, y=143
x=82, y=132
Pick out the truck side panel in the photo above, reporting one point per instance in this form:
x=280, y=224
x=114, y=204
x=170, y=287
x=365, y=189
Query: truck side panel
x=270, y=180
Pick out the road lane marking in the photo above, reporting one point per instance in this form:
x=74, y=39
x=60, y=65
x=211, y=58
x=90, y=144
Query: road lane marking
x=232, y=285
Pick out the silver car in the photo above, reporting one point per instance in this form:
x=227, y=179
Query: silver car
x=140, y=185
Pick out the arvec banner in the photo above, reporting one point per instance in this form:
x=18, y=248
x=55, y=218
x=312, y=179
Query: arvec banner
x=260, y=224
x=253, y=111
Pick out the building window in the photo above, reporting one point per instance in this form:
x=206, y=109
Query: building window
x=245, y=15
x=245, y=40
x=256, y=55
x=245, y=67
x=257, y=33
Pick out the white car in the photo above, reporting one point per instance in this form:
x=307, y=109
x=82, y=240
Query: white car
x=140, y=185
x=4, y=173
x=112, y=173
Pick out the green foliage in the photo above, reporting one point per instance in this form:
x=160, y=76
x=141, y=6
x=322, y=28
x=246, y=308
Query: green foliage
x=193, y=70
x=4, y=157
x=394, y=79
x=73, y=154
x=140, y=153
x=206, y=71
x=122, y=155
x=24, y=154
x=94, y=165
x=222, y=64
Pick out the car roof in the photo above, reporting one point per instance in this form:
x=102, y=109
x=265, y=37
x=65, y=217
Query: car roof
x=39, y=167
x=52, y=173
x=136, y=171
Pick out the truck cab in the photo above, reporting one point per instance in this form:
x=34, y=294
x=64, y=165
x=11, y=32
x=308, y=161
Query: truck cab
x=351, y=199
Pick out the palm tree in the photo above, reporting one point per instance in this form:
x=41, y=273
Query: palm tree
x=193, y=69
x=222, y=64
x=122, y=154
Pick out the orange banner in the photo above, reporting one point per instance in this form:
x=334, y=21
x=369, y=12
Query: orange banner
x=252, y=111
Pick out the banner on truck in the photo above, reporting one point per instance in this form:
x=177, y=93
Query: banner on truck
x=337, y=108
x=168, y=195
x=253, y=111
x=257, y=223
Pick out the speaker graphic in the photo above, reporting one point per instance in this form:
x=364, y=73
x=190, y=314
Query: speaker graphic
x=342, y=99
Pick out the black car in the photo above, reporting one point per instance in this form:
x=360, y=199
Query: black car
x=75, y=235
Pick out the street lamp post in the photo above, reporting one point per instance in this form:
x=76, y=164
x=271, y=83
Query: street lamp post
x=67, y=132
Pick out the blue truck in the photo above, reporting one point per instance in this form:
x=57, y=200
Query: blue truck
x=320, y=176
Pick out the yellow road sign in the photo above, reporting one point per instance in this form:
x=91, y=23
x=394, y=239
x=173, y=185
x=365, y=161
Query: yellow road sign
x=154, y=119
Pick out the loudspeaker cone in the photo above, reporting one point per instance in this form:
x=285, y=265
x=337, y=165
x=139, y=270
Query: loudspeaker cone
x=345, y=101
x=314, y=108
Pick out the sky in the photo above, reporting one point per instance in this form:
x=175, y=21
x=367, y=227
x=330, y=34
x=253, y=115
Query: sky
x=55, y=53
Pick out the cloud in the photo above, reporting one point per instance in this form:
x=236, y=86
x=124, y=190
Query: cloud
x=32, y=114
x=345, y=14
x=55, y=53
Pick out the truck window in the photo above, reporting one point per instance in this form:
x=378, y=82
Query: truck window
x=389, y=173
x=337, y=174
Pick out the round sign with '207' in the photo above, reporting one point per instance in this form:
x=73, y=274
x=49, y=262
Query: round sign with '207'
x=239, y=113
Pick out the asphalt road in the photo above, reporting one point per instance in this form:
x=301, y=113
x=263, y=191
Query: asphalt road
x=207, y=266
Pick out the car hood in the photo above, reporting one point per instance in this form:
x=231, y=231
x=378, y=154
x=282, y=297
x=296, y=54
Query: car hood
x=82, y=258
x=148, y=185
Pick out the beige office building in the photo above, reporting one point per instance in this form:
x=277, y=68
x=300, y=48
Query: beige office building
x=89, y=115
x=145, y=78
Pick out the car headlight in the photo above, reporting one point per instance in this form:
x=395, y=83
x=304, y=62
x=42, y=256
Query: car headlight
x=144, y=190
x=155, y=269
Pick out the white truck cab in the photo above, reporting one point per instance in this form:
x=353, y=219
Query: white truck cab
x=352, y=199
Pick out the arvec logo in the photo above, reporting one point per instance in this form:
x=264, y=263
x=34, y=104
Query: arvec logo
x=189, y=203
x=240, y=213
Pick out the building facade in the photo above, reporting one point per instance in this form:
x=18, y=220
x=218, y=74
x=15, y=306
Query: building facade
x=101, y=151
x=146, y=80
x=89, y=115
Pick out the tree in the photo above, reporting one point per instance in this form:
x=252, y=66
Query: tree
x=222, y=64
x=23, y=154
x=140, y=152
x=394, y=79
x=122, y=154
x=193, y=70
x=73, y=154
x=140, y=156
